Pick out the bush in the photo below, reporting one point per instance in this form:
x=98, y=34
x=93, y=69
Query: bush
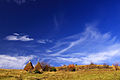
x=91, y=63
x=45, y=66
x=53, y=69
x=36, y=71
x=105, y=65
x=62, y=69
x=115, y=66
x=92, y=66
x=71, y=67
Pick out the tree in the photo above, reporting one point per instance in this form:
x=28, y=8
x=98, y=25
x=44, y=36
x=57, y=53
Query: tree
x=91, y=63
x=45, y=66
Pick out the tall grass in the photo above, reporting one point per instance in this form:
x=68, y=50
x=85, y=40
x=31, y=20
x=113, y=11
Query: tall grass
x=88, y=74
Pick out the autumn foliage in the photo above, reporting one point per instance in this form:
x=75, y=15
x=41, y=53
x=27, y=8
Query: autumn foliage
x=71, y=67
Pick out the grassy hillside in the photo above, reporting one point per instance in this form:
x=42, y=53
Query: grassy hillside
x=92, y=74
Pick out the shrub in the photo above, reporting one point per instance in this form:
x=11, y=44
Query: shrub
x=92, y=66
x=53, y=69
x=71, y=67
x=105, y=65
x=62, y=68
x=115, y=66
x=45, y=66
x=91, y=63
x=36, y=71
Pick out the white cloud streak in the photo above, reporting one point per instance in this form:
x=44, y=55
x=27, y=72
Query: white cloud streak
x=19, y=1
x=86, y=47
x=11, y=62
x=44, y=41
x=89, y=33
x=18, y=37
x=100, y=57
x=74, y=60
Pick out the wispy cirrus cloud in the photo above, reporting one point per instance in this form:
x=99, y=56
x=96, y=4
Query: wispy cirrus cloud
x=14, y=62
x=18, y=37
x=19, y=1
x=99, y=57
x=44, y=41
x=86, y=47
x=86, y=38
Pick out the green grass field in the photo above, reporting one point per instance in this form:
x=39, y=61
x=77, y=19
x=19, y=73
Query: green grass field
x=93, y=74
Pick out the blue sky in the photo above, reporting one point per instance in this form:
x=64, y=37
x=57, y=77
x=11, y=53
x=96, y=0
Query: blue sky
x=59, y=32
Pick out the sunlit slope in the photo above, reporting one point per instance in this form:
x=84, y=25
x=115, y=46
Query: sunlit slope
x=92, y=74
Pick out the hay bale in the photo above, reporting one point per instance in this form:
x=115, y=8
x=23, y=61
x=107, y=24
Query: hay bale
x=29, y=67
x=38, y=67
